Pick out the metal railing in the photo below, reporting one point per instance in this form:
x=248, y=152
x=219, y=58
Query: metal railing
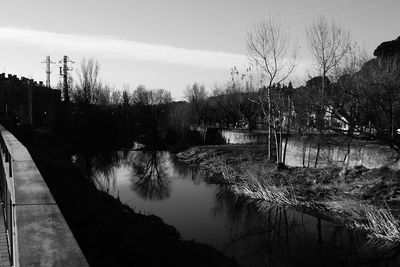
x=26, y=199
x=7, y=195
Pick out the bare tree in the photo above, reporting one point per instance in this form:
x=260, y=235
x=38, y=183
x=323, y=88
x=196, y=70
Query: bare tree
x=194, y=92
x=140, y=96
x=116, y=97
x=241, y=94
x=88, y=89
x=126, y=97
x=329, y=43
x=268, y=49
x=103, y=96
x=152, y=107
x=196, y=95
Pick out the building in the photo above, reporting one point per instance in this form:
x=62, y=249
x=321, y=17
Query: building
x=27, y=102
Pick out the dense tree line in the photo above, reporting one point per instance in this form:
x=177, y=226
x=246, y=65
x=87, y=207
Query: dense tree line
x=352, y=94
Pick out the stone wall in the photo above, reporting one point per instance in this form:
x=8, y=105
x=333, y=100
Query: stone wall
x=240, y=137
x=302, y=153
x=338, y=152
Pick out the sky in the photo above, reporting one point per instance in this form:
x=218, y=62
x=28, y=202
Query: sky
x=170, y=44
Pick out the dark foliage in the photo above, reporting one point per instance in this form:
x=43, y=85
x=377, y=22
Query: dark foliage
x=388, y=49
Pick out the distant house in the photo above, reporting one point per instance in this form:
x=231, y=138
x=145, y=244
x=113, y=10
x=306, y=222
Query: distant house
x=26, y=101
x=335, y=120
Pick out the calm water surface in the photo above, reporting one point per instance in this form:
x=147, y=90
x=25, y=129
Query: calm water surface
x=154, y=182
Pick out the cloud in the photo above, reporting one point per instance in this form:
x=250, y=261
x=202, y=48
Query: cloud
x=121, y=48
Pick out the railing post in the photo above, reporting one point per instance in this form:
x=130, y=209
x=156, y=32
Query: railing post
x=2, y=144
x=6, y=155
x=10, y=172
x=11, y=233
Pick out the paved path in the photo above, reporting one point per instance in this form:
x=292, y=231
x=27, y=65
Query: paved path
x=43, y=236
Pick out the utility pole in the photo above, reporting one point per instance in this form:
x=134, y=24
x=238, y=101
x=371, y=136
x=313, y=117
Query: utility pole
x=48, y=71
x=64, y=73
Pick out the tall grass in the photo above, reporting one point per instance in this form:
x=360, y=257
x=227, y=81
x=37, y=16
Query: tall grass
x=259, y=187
x=267, y=189
x=275, y=195
x=382, y=227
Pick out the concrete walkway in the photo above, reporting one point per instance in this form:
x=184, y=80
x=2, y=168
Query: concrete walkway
x=41, y=234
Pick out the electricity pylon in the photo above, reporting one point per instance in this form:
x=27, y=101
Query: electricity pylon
x=48, y=71
x=64, y=73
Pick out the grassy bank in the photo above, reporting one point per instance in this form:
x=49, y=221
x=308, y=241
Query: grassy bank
x=108, y=232
x=361, y=198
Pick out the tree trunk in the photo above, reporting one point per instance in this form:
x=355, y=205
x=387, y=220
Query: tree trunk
x=277, y=150
x=309, y=155
x=286, y=141
x=280, y=145
x=304, y=150
x=350, y=131
x=269, y=123
x=317, y=156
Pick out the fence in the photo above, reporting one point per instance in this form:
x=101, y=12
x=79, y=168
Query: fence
x=8, y=197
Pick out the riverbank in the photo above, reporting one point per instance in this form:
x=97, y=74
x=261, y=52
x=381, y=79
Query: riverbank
x=367, y=199
x=109, y=232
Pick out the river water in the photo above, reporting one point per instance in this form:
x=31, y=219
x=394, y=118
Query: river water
x=155, y=182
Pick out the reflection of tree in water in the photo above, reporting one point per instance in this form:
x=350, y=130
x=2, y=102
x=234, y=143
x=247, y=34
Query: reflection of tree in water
x=100, y=169
x=149, y=177
x=235, y=209
x=184, y=170
x=179, y=168
x=279, y=236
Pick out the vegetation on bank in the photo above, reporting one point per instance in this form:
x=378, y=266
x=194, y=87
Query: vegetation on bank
x=366, y=199
x=109, y=232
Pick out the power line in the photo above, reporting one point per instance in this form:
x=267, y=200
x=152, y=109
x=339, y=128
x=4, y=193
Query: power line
x=303, y=14
x=316, y=10
x=365, y=8
x=247, y=22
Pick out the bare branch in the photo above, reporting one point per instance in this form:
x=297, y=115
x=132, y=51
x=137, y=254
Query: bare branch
x=268, y=48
